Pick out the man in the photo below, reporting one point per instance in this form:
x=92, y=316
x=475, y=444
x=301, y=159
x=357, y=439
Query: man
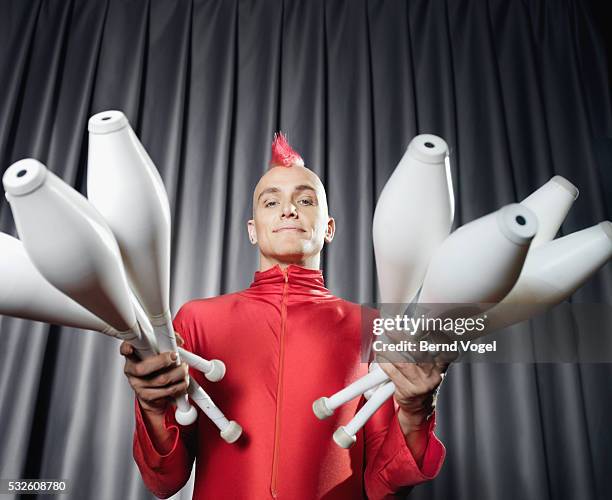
x=285, y=341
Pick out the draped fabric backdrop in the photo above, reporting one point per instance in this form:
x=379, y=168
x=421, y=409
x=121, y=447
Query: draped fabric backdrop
x=519, y=89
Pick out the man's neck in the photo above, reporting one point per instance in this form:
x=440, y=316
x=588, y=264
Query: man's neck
x=266, y=263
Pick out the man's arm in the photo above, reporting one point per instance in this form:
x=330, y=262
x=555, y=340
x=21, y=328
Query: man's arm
x=164, y=471
x=416, y=387
x=161, y=448
x=401, y=447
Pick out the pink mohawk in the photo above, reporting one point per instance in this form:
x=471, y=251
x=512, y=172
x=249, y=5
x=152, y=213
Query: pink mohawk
x=283, y=155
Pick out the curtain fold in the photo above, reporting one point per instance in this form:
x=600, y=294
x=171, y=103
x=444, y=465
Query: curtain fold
x=519, y=90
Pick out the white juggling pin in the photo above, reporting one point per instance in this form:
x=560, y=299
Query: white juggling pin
x=126, y=188
x=413, y=216
x=24, y=293
x=477, y=265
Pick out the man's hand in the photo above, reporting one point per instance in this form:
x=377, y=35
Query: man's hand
x=416, y=386
x=156, y=380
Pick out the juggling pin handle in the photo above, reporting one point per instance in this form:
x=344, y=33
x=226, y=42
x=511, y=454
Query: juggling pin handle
x=213, y=370
x=345, y=436
x=147, y=345
x=166, y=338
x=230, y=430
x=136, y=338
x=325, y=407
x=164, y=334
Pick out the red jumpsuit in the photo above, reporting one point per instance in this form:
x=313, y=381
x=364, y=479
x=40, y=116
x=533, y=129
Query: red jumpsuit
x=286, y=341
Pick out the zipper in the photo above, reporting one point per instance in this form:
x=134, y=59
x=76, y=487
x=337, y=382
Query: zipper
x=279, y=388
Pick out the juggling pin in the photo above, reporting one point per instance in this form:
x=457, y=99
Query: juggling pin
x=125, y=187
x=477, y=264
x=73, y=248
x=552, y=272
x=551, y=203
x=405, y=234
x=413, y=216
x=24, y=293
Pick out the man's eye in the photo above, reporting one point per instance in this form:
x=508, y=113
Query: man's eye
x=306, y=201
x=268, y=204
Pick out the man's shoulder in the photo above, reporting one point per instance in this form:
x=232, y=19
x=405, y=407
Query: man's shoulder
x=196, y=307
x=354, y=305
x=347, y=304
x=355, y=309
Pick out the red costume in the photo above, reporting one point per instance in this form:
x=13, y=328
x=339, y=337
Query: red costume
x=286, y=340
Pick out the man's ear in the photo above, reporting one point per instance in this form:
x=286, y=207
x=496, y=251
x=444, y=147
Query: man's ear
x=330, y=230
x=252, y=232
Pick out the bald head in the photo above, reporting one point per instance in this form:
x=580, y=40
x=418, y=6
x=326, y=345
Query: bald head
x=299, y=177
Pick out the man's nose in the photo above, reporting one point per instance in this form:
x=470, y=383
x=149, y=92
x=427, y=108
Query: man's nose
x=289, y=210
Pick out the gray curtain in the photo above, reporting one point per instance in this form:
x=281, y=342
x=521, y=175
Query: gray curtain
x=519, y=89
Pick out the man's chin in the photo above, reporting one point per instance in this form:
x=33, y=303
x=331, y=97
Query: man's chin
x=291, y=255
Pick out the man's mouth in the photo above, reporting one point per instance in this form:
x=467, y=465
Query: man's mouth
x=288, y=228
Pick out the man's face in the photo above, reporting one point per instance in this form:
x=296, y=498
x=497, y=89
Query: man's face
x=290, y=219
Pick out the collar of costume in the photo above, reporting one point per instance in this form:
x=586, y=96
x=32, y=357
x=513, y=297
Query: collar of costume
x=299, y=279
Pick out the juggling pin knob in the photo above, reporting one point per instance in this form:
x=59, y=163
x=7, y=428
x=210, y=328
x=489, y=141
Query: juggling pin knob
x=232, y=432
x=186, y=417
x=107, y=122
x=343, y=438
x=321, y=410
x=24, y=176
x=517, y=223
x=217, y=370
x=428, y=148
